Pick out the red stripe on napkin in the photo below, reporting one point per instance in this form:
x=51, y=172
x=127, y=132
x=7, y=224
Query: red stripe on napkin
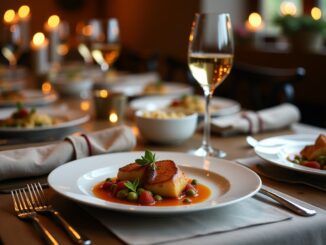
x=89, y=146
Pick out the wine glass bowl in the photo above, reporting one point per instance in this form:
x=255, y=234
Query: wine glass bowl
x=99, y=41
x=12, y=48
x=210, y=59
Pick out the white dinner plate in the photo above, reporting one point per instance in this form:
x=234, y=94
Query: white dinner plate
x=71, y=119
x=277, y=149
x=219, y=106
x=30, y=97
x=228, y=181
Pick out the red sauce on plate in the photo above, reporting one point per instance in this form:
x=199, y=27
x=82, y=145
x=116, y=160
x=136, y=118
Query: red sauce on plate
x=203, y=192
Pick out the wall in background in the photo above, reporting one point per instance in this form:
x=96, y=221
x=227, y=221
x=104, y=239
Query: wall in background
x=155, y=27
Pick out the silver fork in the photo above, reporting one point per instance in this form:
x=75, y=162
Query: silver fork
x=41, y=205
x=24, y=210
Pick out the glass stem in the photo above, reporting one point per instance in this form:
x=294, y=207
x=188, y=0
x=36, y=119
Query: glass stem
x=207, y=121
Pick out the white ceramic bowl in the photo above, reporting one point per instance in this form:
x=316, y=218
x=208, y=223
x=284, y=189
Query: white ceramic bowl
x=166, y=131
x=72, y=87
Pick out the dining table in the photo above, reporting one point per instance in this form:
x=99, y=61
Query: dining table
x=15, y=231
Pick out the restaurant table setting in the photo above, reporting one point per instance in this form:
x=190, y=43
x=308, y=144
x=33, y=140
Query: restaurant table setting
x=64, y=169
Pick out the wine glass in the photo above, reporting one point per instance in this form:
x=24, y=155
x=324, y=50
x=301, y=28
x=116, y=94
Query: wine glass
x=210, y=58
x=105, y=46
x=12, y=48
x=86, y=36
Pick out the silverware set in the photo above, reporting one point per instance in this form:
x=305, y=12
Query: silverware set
x=31, y=201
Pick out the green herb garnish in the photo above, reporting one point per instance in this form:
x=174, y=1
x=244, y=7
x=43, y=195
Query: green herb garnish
x=132, y=185
x=147, y=159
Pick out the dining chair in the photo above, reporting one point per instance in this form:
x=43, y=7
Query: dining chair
x=264, y=86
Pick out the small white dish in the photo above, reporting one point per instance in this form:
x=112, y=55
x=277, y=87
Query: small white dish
x=277, y=149
x=170, y=131
x=73, y=87
x=229, y=182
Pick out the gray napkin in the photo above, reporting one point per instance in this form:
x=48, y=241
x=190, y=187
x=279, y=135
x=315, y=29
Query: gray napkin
x=284, y=175
x=36, y=161
x=141, y=230
x=277, y=117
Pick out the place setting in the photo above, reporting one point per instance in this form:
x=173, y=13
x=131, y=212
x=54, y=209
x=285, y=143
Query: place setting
x=94, y=153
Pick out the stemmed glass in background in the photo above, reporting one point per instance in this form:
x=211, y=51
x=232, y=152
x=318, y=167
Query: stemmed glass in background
x=12, y=48
x=210, y=58
x=101, y=41
x=106, y=48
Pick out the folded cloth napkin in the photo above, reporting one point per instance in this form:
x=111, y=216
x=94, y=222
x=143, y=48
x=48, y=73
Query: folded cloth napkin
x=253, y=122
x=35, y=161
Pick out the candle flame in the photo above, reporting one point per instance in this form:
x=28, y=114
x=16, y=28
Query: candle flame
x=53, y=21
x=46, y=87
x=38, y=38
x=9, y=16
x=288, y=8
x=316, y=13
x=113, y=117
x=255, y=20
x=103, y=93
x=23, y=11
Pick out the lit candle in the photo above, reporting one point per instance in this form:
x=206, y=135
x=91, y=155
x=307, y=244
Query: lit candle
x=288, y=8
x=254, y=22
x=9, y=17
x=316, y=13
x=24, y=22
x=39, y=46
x=52, y=27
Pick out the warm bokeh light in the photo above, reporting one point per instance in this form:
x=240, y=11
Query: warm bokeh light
x=113, y=117
x=87, y=30
x=254, y=22
x=103, y=93
x=23, y=11
x=255, y=19
x=38, y=38
x=46, y=87
x=53, y=21
x=316, y=13
x=9, y=16
x=288, y=8
x=62, y=49
x=85, y=105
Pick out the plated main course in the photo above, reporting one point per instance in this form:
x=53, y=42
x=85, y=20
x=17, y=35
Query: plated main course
x=150, y=182
x=312, y=156
x=23, y=117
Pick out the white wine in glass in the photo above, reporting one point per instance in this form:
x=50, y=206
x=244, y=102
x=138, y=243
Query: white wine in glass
x=105, y=48
x=210, y=59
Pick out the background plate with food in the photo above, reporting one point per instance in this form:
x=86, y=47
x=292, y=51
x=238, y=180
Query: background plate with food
x=41, y=123
x=285, y=151
x=187, y=103
x=28, y=97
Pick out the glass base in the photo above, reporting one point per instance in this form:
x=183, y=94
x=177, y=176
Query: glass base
x=208, y=151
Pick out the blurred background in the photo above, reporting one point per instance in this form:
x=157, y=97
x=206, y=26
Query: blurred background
x=271, y=64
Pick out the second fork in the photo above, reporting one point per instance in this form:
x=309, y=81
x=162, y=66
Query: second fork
x=41, y=205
